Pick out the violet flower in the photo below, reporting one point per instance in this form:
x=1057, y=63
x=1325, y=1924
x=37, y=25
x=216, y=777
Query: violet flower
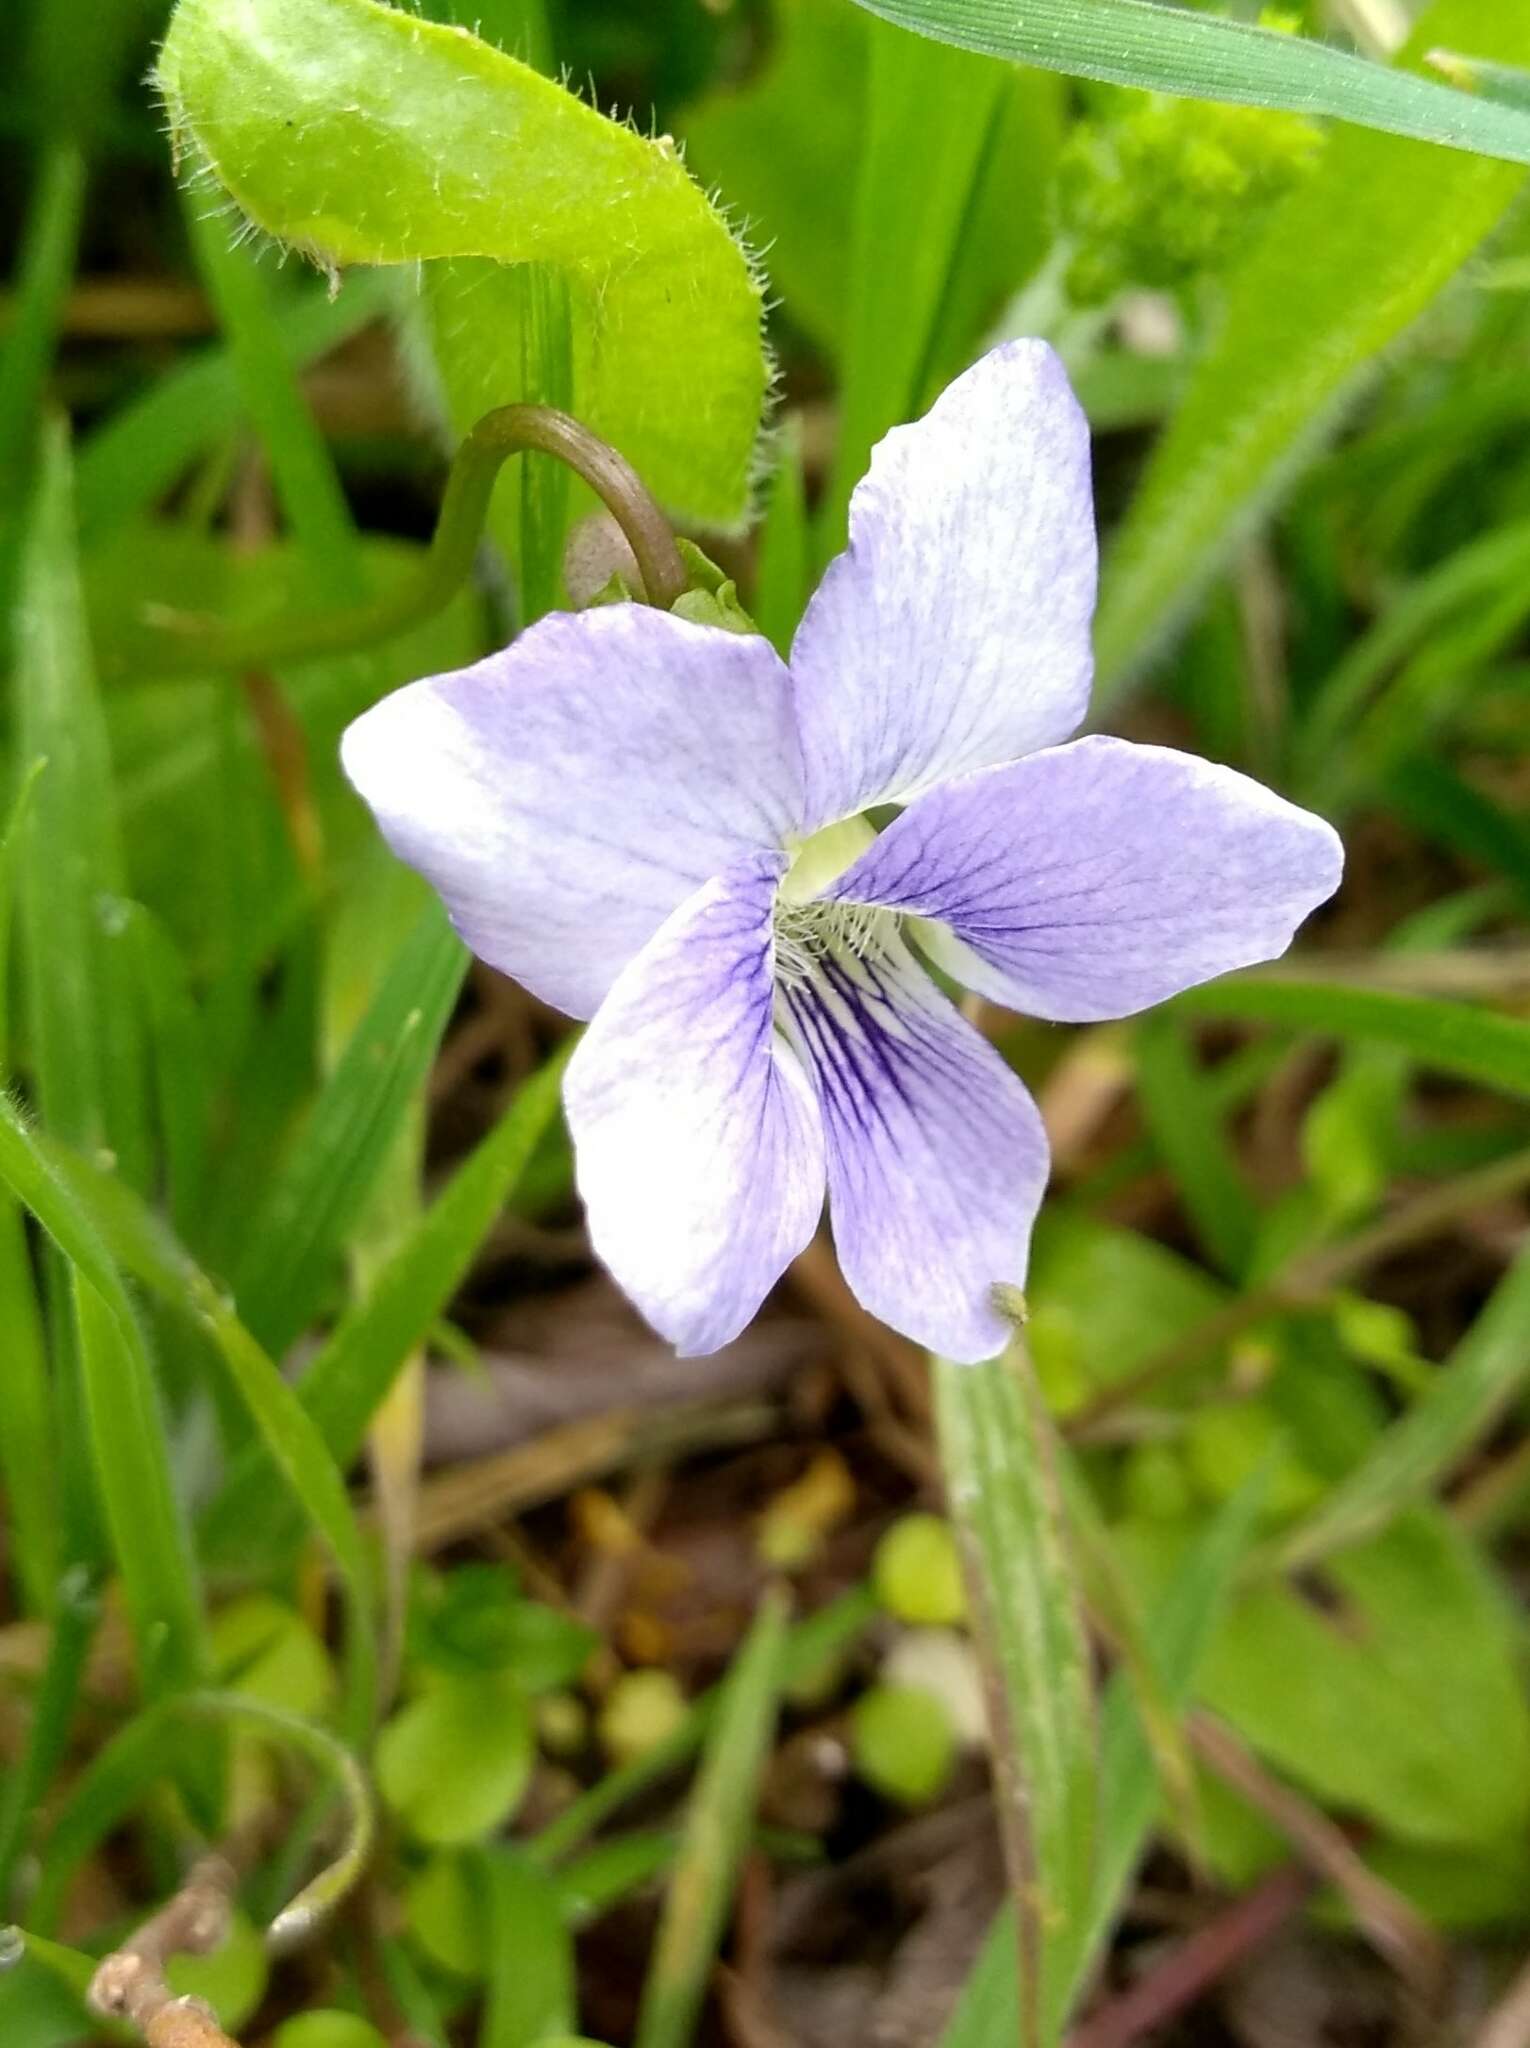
x=659, y=826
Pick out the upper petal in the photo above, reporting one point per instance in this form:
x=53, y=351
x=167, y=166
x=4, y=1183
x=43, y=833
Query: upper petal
x=1099, y=878
x=697, y=1142
x=937, y=1157
x=953, y=632
x=565, y=795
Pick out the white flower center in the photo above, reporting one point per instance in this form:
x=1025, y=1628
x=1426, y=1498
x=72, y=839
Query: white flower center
x=806, y=934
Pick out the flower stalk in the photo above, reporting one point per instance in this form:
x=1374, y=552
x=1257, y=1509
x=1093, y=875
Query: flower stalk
x=183, y=643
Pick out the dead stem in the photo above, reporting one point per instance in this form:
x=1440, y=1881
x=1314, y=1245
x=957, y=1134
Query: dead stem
x=130, y=1983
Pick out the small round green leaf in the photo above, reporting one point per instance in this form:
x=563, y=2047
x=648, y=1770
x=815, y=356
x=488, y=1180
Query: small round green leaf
x=454, y=1763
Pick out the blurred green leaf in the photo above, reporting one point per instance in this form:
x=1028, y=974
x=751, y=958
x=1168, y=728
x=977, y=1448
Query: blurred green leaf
x=1474, y=1386
x=454, y=1763
x=1172, y=49
x=1455, y=1038
x=1187, y=1128
x=1346, y=263
x=421, y=143
x=128, y=461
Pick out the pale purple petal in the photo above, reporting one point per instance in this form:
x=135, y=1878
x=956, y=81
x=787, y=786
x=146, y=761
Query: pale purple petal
x=953, y=633
x=937, y=1156
x=697, y=1141
x=567, y=794
x=1099, y=878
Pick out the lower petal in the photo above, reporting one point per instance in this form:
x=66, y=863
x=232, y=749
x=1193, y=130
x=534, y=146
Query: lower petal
x=698, y=1144
x=937, y=1159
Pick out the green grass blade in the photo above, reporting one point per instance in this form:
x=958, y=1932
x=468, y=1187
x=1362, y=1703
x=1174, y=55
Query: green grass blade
x=1485, y=1372
x=46, y=268
x=28, y=1453
x=785, y=560
x=1477, y=1045
x=530, y=1993
x=1346, y=263
x=352, y=1373
x=299, y=1226
x=812, y=1646
x=914, y=200
x=128, y=462
x=84, y=1035
x=1170, y=49
x=411, y=1289
x=76, y=1613
x=126, y=1426
x=141, y=1246
x=1029, y=1631
x=716, y=1833
x=306, y=481
x=148, y=1529
x=1186, y=1126
x=1179, y=1635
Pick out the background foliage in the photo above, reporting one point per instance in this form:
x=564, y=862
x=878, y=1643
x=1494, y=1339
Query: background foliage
x=322, y=1445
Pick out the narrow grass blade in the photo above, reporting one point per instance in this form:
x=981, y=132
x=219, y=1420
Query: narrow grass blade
x=810, y=1647
x=132, y=458
x=716, y=1832
x=1186, y=1126
x=300, y=460
x=1030, y=1636
x=1485, y=1372
x=84, y=1036
x=148, y=1530
x=126, y=1427
x=75, y=1615
x=131, y=1236
x=47, y=265
x=785, y=561
x=1179, y=1635
x=28, y=1450
x=299, y=1226
x=1344, y=266
x=351, y=1374
x=915, y=200
x=1170, y=49
x=1477, y=1045
x=530, y=1993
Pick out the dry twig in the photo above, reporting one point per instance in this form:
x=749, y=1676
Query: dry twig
x=130, y=1984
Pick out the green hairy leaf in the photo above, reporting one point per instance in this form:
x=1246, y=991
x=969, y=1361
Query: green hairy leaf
x=422, y=144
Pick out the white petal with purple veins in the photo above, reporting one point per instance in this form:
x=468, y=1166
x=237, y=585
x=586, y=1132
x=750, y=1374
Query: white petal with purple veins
x=1099, y=878
x=936, y=1154
x=698, y=1142
x=565, y=795
x=953, y=633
